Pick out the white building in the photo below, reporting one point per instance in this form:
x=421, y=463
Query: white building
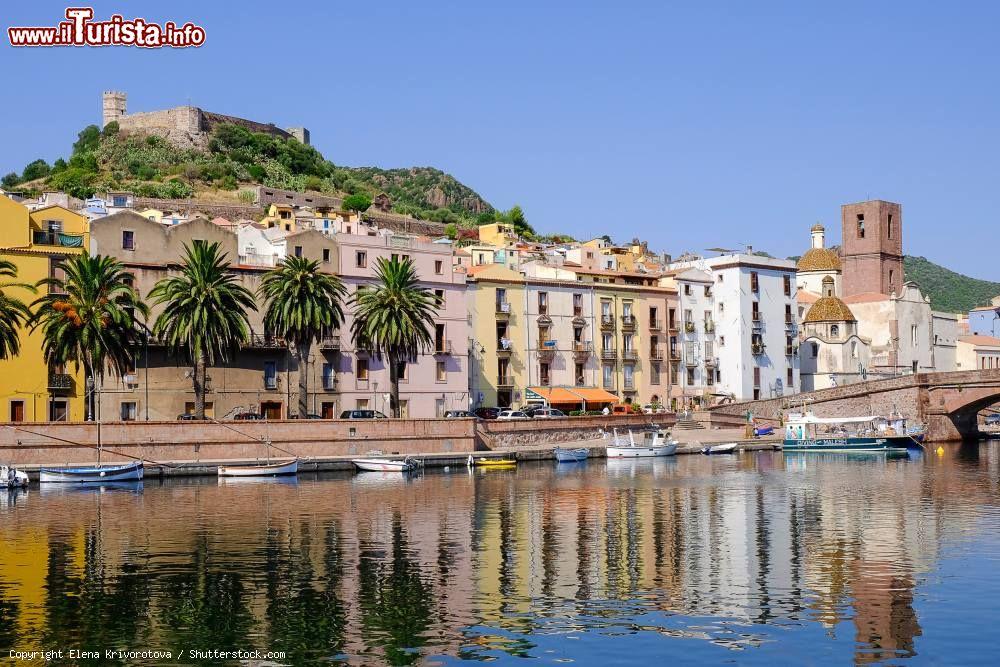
x=745, y=321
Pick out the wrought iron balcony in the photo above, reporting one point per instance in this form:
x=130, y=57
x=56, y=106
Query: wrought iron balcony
x=628, y=322
x=265, y=342
x=442, y=347
x=607, y=321
x=61, y=382
x=689, y=327
x=630, y=355
x=503, y=309
x=330, y=382
x=675, y=354
x=502, y=350
x=547, y=351
x=757, y=349
x=581, y=349
x=654, y=325
x=609, y=353
x=505, y=381
x=60, y=239
x=758, y=321
x=330, y=343
x=709, y=326
x=655, y=354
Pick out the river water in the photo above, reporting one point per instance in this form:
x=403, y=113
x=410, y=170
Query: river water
x=757, y=558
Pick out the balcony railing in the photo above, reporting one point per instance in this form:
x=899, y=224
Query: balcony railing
x=790, y=350
x=711, y=362
x=628, y=322
x=330, y=382
x=61, y=239
x=255, y=259
x=689, y=327
x=630, y=355
x=609, y=384
x=505, y=381
x=757, y=349
x=270, y=382
x=655, y=354
x=61, y=382
x=442, y=347
x=672, y=325
x=609, y=353
x=265, y=342
x=757, y=321
x=628, y=384
x=503, y=309
x=675, y=354
x=607, y=321
x=709, y=326
x=581, y=348
x=654, y=325
x=547, y=351
x=691, y=360
x=330, y=343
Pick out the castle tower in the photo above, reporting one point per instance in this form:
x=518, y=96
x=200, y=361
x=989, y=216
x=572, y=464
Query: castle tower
x=114, y=106
x=872, y=247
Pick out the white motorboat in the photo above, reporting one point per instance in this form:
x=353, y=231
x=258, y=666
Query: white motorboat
x=12, y=478
x=128, y=472
x=656, y=443
x=266, y=470
x=727, y=448
x=385, y=465
x=571, y=455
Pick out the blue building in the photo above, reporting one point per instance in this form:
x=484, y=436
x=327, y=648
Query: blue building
x=985, y=320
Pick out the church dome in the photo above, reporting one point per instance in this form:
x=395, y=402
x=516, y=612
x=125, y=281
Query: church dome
x=829, y=309
x=818, y=228
x=819, y=259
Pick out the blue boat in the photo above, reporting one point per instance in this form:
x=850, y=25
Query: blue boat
x=129, y=472
x=809, y=433
x=571, y=455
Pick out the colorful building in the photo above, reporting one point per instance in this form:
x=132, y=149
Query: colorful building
x=36, y=242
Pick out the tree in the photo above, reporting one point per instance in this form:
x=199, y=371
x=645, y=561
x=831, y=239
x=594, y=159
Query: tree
x=89, y=318
x=394, y=318
x=451, y=231
x=87, y=139
x=303, y=306
x=205, y=313
x=10, y=180
x=357, y=202
x=36, y=169
x=13, y=312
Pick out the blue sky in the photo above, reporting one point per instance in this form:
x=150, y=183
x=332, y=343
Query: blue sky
x=691, y=126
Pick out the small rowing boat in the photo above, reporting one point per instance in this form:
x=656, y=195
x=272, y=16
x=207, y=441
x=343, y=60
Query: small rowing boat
x=727, y=448
x=12, y=478
x=266, y=470
x=655, y=444
x=571, y=455
x=385, y=465
x=490, y=462
x=129, y=472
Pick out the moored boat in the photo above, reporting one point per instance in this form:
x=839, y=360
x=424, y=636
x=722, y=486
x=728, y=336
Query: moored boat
x=656, y=444
x=12, y=478
x=571, y=455
x=128, y=472
x=266, y=470
x=385, y=465
x=805, y=432
x=725, y=448
x=491, y=462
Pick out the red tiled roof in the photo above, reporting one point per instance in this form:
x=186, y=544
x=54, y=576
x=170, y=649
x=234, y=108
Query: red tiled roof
x=976, y=339
x=866, y=297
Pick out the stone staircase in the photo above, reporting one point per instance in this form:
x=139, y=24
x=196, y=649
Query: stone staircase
x=688, y=424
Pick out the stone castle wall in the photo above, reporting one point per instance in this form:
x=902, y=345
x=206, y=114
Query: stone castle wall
x=189, y=127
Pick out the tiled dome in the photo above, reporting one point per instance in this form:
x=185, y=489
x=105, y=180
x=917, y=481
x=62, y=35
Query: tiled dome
x=818, y=228
x=829, y=309
x=819, y=259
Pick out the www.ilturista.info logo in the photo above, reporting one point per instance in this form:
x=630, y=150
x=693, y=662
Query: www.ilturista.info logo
x=80, y=30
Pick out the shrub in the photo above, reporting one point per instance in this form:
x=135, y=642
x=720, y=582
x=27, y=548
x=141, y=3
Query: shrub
x=37, y=169
x=357, y=202
x=10, y=180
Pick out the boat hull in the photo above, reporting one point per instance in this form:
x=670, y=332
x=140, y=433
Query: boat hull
x=12, y=478
x=571, y=455
x=131, y=472
x=382, y=465
x=729, y=448
x=269, y=470
x=495, y=463
x=883, y=444
x=614, y=452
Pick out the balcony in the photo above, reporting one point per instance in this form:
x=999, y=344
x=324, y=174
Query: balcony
x=630, y=355
x=503, y=310
x=709, y=327
x=629, y=386
x=265, y=342
x=608, y=322
x=270, y=382
x=330, y=383
x=54, y=238
x=504, y=350
x=578, y=318
x=442, y=347
x=654, y=325
x=581, y=349
x=757, y=349
x=544, y=320
x=330, y=343
x=655, y=354
x=757, y=321
x=672, y=325
x=691, y=361
x=675, y=355
x=628, y=322
x=546, y=349
x=790, y=326
x=609, y=354
x=689, y=327
x=791, y=350
x=711, y=362
x=61, y=382
x=256, y=259
x=609, y=384
x=505, y=382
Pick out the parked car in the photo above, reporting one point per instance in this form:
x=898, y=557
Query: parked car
x=362, y=414
x=546, y=413
x=992, y=419
x=510, y=415
x=653, y=409
x=487, y=413
x=308, y=416
x=249, y=416
x=458, y=414
x=186, y=417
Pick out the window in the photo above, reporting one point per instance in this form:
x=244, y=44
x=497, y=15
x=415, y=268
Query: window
x=128, y=239
x=888, y=227
x=672, y=318
x=361, y=369
x=17, y=410
x=577, y=334
x=787, y=283
x=329, y=376
x=361, y=259
x=627, y=309
x=861, y=225
x=788, y=344
x=718, y=278
x=361, y=404
x=578, y=375
x=722, y=341
x=891, y=272
x=755, y=311
x=913, y=334
x=439, y=298
x=438, y=266
x=543, y=303
x=815, y=350
x=326, y=255
x=59, y=411
x=609, y=376
x=298, y=251
x=654, y=374
x=270, y=375
x=708, y=290
x=128, y=411
x=629, y=372
x=790, y=377
x=854, y=349
x=119, y=202
x=788, y=314
x=834, y=330
x=690, y=377
x=687, y=290
x=607, y=342
x=577, y=305
x=402, y=371
x=605, y=308
x=210, y=409
x=675, y=377
x=543, y=373
x=754, y=282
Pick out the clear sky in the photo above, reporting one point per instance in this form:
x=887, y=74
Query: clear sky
x=690, y=125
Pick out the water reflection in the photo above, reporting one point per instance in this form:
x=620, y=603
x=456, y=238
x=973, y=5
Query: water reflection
x=834, y=551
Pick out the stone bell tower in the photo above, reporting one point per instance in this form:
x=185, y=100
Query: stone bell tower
x=114, y=106
x=872, y=247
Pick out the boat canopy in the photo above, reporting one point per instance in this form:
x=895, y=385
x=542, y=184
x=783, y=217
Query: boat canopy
x=813, y=419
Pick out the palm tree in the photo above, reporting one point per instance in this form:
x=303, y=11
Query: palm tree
x=394, y=318
x=13, y=312
x=303, y=307
x=88, y=317
x=205, y=314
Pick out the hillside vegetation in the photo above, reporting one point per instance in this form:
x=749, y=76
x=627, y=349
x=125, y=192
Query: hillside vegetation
x=236, y=157
x=949, y=291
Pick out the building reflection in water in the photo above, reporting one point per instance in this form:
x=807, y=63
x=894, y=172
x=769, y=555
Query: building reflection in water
x=386, y=569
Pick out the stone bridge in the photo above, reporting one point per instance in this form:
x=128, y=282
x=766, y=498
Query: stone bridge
x=949, y=403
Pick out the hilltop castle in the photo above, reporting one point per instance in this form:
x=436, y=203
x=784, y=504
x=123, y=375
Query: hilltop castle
x=185, y=126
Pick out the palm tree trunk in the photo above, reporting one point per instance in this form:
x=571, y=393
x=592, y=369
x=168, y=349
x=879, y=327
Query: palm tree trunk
x=199, y=386
x=393, y=386
x=302, y=364
x=89, y=388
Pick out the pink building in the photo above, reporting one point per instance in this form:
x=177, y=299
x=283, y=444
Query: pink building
x=437, y=380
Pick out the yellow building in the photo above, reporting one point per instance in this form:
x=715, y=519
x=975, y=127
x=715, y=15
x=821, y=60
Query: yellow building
x=498, y=234
x=499, y=364
x=36, y=242
x=280, y=215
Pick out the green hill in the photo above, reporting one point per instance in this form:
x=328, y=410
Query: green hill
x=235, y=158
x=949, y=291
